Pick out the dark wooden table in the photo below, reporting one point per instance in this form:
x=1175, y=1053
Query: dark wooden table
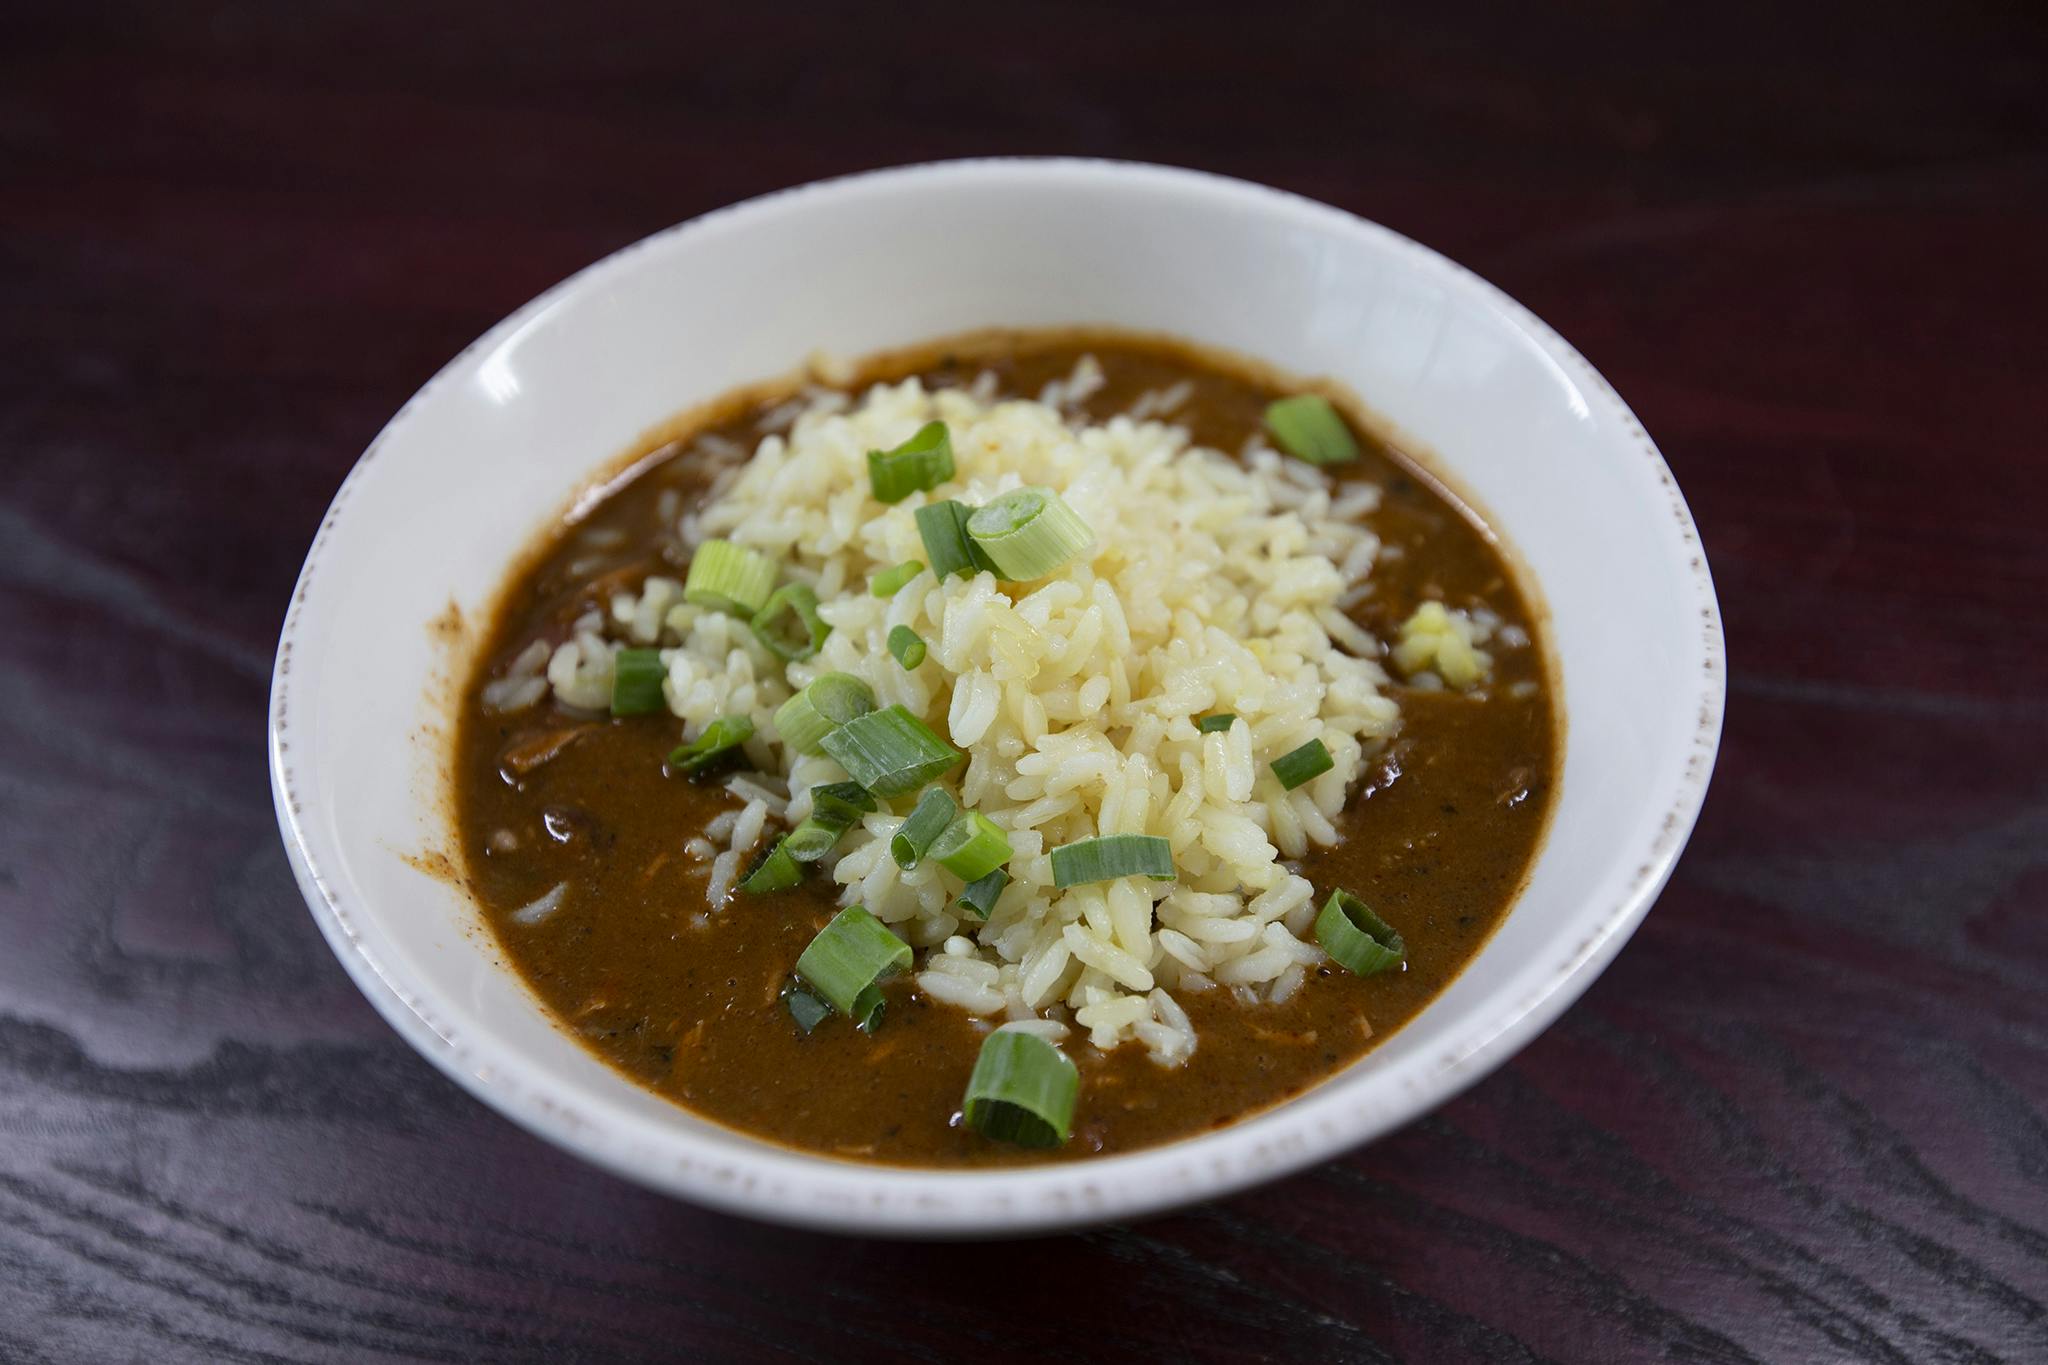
x=1805, y=1115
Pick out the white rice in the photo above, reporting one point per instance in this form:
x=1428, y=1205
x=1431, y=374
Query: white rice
x=753, y=790
x=1052, y=1030
x=542, y=905
x=523, y=683
x=1214, y=585
x=746, y=831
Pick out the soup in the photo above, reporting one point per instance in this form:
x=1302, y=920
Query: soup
x=1202, y=660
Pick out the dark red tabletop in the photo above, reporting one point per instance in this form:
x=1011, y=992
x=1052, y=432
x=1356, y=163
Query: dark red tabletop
x=1803, y=1117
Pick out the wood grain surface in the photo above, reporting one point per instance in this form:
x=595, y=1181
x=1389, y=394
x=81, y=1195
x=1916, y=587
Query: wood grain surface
x=1803, y=1117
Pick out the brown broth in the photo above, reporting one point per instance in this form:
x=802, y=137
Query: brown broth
x=1438, y=837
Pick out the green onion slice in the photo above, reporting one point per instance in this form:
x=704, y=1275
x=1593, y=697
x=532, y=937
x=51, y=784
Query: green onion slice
x=835, y=808
x=935, y=810
x=841, y=803
x=1210, y=725
x=792, y=640
x=1356, y=937
x=979, y=899
x=943, y=528
x=813, y=839
x=636, y=682
x=777, y=871
x=1028, y=532
x=891, y=753
x=826, y=703
x=1311, y=760
x=1022, y=1090
x=1111, y=856
x=972, y=847
x=729, y=578
x=805, y=1007
x=889, y=582
x=1307, y=427
x=849, y=959
x=907, y=645
x=982, y=563
x=923, y=461
x=719, y=737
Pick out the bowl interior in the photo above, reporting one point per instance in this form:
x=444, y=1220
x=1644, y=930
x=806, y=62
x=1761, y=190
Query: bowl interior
x=476, y=464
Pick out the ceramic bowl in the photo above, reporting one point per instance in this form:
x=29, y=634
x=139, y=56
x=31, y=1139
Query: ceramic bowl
x=473, y=468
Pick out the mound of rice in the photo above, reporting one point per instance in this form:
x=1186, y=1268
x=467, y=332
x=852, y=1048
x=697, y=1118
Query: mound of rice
x=1215, y=584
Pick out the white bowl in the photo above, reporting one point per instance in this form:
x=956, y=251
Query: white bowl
x=479, y=461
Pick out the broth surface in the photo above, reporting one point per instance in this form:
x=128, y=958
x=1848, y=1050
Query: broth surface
x=1437, y=837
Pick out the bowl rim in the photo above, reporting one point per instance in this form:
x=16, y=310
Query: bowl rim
x=783, y=1185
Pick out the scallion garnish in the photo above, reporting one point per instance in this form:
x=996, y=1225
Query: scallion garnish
x=636, y=682
x=1022, y=1090
x=943, y=528
x=719, y=737
x=907, y=645
x=972, y=846
x=1311, y=760
x=1111, y=856
x=777, y=871
x=923, y=461
x=1221, y=721
x=813, y=839
x=849, y=959
x=729, y=578
x=826, y=703
x=840, y=802
x=979, y=899
x=889, y=582
x=796, y=639
x=1307, y=427
x=835, y=808
x=935, y=810
x=805, y=1007
x=1028, y=532
x=891, y=753
x=1357, y=938
x=982, y=563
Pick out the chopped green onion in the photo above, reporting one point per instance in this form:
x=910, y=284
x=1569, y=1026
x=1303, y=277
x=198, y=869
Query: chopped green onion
x=935, y=810
x=907, y=645
x=1210, y=725
x=982, y=563
x=891, y=753
x=848, y=959
x=889, y=582
x=835, y=808
x=805, y=1007
x=1022, y=1090
x=943, y=527
x=813, y=839
x=828, y=702
x=979, y=899
x=923, y=461
x=636, y=682
x=1309, y=761
x=777, y=871
x=972, y=847
x=791, y=599
x=729, y=578
x=1028, y=532
x=841, y=803
x=1307, y=427
x=1111, y=856
x=719, y=737
x=1356, y=937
